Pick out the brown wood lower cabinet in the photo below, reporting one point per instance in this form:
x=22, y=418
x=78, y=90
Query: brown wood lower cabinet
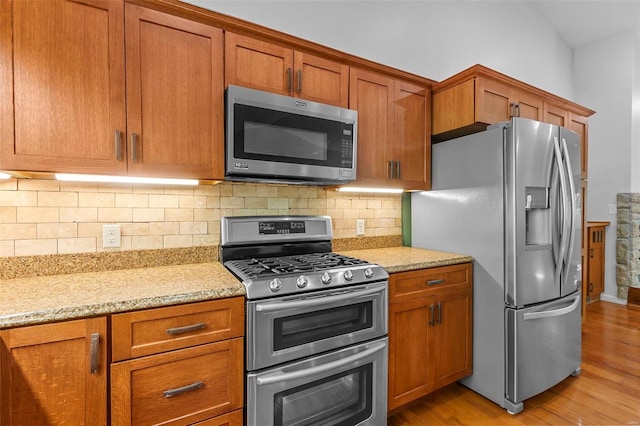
x=54, y=374
x=185, y=364
x=430, y=331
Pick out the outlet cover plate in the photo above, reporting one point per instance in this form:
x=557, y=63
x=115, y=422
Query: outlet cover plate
x=359, y=226
x=110, y=236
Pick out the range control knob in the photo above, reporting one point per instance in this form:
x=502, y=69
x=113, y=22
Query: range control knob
x=275, y=284
x=302, y=281
x=326, y=278
x=348, y=275
x=368, y=272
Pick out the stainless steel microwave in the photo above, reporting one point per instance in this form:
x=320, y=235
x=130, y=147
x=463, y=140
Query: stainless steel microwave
x=277, y=138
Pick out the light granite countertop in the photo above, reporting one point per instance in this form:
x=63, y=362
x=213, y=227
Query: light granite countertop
x=402, y=259
x=35, y=300
x=26, y=301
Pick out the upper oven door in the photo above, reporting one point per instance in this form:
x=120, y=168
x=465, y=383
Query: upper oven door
x=288, y=328
x=281, y=136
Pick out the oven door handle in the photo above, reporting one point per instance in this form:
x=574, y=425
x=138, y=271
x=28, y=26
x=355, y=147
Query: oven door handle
x=316, y=301
x=320, y=369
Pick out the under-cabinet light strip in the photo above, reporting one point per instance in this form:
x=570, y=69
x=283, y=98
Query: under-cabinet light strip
x=4, y=175
x=124, y=179
x=379, y=190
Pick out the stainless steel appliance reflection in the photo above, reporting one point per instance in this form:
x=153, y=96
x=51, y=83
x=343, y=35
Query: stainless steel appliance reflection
x=316, y=345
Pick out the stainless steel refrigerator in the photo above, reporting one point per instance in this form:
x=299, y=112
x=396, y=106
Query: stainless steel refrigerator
x=510, y=197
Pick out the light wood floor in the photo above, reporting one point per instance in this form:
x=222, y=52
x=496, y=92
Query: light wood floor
x=606, y=393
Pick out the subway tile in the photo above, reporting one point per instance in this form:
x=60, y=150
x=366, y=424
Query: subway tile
x=35, y=247
x=38, y=185
x=366, y=213
x=178, y=215
x=207, y=190
x=132, y=200
x=351, y=214
x=342, y=203
x=121, y=188
x=146, y=242
x=336, y=213
x=185, y=191
x=247, y=190
x=18, y=198
x=148, y=189
x=173, y=241
x=255, y=203
x=213, y=202
x=206, y=240
x=136, y=228
x=93, y=229
x=57, y=199
x=193, y=228
x=232, y=202
x=226, y=189
x=57, y=230
x=8, y=214
x=37, y=214
x=318, y=203
x=7, y=248
x=204, y=215
x=164, y=228
x=164, y=201
x=374, y=204
x=309, y=192
x=78, y=186
x=278, y=203
x=96, y=199
x=115, y=214
x=79, y=214
x=358, y=204
x=10, y=184
x=18, y=231
x=298, y=203
x=77, y=245
x=148, y=215
x=288, y=192
x=245, y=212
x=193, y=202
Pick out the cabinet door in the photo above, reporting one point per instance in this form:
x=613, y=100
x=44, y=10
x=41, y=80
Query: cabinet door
x=555, y=115
x=410, y=343
x=47, y=374
x=453, y=345
x=526, y=105
x=258, y=65
x=320, y=80
x=579, y=124
x=596, y=260
x=175, y=96
x=493, y=103
x=62, y=63
x=412, y=143
x=372, y=95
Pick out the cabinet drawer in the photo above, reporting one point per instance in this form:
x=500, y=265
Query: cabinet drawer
x=406, y=285
x=235, y=418
x=178, y=387
x=152, y=331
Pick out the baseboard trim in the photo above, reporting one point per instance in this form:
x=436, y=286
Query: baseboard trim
x=612, y=299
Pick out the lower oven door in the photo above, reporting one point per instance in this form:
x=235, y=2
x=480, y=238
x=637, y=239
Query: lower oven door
x=345, y=387
x=288, y=328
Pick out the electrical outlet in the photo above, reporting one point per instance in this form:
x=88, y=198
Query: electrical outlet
x=110, y=236
x=359, y=226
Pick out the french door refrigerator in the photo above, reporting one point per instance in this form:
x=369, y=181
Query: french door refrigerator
x=510, y=198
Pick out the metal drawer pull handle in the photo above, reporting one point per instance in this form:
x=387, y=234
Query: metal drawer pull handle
x=134, y=147
x=186, y=328
x=95, y=345
x=553, y=312
x=188, y=388
x=332, y=366
x=434, y=282
x=118, y=143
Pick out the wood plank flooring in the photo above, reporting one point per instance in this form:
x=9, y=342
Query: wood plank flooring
x=607, y=392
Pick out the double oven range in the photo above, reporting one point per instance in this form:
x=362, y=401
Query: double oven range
x=316, y=323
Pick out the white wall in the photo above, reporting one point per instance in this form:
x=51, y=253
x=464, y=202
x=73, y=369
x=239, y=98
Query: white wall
x=435, y=39
x=606, y=82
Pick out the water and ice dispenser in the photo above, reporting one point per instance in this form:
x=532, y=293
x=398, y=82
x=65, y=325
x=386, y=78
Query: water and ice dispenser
x=538, y=217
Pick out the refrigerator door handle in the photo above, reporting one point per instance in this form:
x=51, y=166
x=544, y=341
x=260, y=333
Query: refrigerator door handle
x=554, y=312
x=563, y=192
x=572, y=202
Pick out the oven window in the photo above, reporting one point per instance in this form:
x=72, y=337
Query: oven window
x=260, y=138
x=342, y=399
x=308, y=327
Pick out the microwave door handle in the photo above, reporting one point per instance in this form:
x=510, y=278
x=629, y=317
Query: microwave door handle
x=319, y=369
x=316, y=301
x=573, y=208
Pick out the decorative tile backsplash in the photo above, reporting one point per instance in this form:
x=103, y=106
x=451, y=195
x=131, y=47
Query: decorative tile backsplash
x=41, y=217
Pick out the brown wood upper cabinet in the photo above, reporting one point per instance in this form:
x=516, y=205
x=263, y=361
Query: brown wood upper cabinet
x=63, y=63
x=284, y=71
x=478, y=96
x=54, y=373
x=393, y=131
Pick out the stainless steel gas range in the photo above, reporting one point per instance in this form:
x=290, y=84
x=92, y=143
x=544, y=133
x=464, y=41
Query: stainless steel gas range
x=316, y=337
